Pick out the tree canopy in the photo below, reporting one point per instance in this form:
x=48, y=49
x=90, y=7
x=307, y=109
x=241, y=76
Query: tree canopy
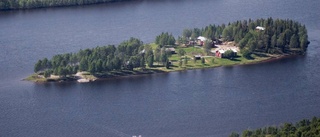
x=229, y=54
x=127, y=55
x=165, y=39
x=303, y=128
x=273, y=36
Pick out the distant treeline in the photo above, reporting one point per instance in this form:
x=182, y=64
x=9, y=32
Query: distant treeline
x=29, y=4
x=303, y=128
x=279, y=36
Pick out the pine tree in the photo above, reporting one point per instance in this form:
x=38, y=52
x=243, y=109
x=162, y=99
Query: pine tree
x=294, y=42
x=37, y=66
x=304, y=42
x=203, y=61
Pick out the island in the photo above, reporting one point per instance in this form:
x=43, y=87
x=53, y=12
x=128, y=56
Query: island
x=303, y=128
x=237, y=43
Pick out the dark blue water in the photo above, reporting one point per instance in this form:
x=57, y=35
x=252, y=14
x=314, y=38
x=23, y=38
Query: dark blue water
x=210, y=102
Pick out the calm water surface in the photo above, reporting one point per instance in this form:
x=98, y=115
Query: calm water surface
x=210, y=102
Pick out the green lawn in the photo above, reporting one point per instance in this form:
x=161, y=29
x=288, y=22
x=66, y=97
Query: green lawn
x=153, y=45
x=191, y=64
x=193, y=50
x=35, y=78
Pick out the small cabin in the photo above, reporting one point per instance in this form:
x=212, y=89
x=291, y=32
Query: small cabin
x=197, y=57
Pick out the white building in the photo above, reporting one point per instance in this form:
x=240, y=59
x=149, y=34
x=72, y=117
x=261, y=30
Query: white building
x=260, y=28
x=201, y=38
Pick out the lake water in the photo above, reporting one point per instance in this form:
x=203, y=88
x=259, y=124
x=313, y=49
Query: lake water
x=210, y=102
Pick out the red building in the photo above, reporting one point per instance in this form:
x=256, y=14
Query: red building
x=219, y=53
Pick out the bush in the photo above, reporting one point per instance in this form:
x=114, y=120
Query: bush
x=246, y=53
x=229, y=54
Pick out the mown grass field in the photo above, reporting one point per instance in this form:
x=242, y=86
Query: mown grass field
x=210, y=61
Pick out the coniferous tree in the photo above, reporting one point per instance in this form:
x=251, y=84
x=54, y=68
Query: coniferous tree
x=149, y=56
x=294, y=42
x=203, y=61
x=37, y=66
x=180, y=63
x=165, y=39
x=207, y=47
x=187, y=33
x=304, y=42
x=181, y=52
x=185, y=60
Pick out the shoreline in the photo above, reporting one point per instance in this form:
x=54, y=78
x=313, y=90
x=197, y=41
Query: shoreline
x=81, y=77
x=2, y=9
x=133, y=57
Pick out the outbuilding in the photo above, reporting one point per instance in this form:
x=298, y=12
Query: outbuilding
x=219, y=53
x=197, y=57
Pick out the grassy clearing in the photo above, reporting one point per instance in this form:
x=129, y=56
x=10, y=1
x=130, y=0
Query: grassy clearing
x=89, y=76
x=35, y=78
x=211, y=61
x=174, y=58
x=193, y=50
x=153, y=45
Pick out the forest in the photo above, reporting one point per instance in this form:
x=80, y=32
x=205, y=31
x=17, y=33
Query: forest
x=303, y=128
x=29, y=4
x=127, y=55
x=278, y=37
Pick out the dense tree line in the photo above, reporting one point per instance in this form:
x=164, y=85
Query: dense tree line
x=303, y=128
x=165, y=39
x=127, y=55
x=211, y=32
x=278, y=36
x=28, y=4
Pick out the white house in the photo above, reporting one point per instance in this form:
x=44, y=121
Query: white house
x=201, y=40
x=260, y=28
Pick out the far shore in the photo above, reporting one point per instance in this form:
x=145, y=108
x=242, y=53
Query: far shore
x=85, y=77
x=16, y=5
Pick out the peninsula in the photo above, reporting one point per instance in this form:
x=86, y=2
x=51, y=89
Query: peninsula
x=240, y=42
